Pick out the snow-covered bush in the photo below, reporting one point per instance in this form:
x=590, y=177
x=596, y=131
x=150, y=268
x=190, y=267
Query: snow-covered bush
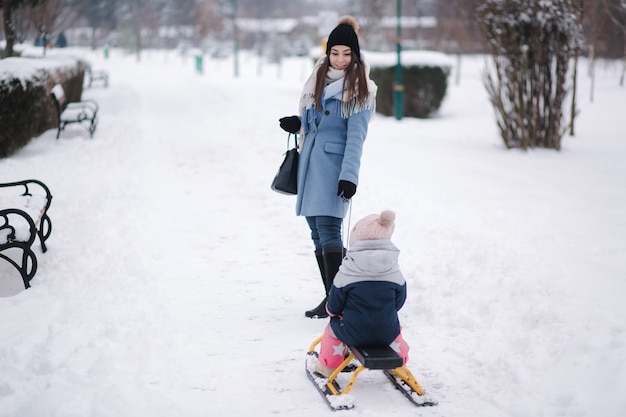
x=26, y=109
x=425, y=77
x=22, y=113
x=531, y=43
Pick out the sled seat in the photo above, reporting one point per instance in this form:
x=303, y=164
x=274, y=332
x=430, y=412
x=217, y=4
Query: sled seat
x=377, y=357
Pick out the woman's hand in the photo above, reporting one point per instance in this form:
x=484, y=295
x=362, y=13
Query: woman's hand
x=346, y=189
x=290, y=124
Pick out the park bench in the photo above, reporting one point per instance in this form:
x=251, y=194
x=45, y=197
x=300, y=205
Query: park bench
x=97, y=76
x=24, y=219
x=83, y=112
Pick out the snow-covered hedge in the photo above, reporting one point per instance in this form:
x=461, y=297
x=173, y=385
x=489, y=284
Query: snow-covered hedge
x=425, y=79
x=408, y=59
x=26, y=109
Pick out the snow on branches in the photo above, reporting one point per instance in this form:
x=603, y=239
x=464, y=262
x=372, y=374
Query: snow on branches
x=531, y=43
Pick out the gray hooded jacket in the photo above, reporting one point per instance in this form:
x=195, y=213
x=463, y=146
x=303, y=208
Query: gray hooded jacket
x=367, y=293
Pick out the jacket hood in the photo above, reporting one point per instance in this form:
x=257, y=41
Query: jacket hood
x=372, y=258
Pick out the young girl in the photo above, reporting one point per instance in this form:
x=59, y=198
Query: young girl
x=366, y=295
x=336, y=105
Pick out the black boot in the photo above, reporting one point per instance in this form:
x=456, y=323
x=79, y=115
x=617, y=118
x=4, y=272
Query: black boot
x=332, y=262
x=328, y=262
x=320, y=310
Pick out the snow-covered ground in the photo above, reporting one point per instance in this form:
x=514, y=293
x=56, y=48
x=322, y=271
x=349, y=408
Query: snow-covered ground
x=176, y=281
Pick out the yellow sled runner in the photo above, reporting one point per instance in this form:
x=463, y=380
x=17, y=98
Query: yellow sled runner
x=369, y=357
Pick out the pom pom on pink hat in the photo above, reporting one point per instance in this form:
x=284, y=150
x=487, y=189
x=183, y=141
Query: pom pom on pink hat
x=374, y=227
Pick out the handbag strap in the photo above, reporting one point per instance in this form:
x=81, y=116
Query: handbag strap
x=295, y=139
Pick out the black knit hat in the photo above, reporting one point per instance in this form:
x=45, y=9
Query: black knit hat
x=345, y=34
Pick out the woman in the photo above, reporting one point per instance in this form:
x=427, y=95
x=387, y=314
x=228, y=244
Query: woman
x=336, y=105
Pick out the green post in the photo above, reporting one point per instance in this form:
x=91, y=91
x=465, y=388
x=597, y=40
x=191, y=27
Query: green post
x=398, y=86
x=199, y=66
x=106, y=52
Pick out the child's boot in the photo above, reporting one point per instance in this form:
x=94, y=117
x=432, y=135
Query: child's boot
x=323, y=369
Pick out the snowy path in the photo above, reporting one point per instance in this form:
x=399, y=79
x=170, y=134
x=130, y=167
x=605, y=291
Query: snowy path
x=176, y=281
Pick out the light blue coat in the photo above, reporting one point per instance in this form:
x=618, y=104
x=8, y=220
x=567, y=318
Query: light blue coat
x=331, y=152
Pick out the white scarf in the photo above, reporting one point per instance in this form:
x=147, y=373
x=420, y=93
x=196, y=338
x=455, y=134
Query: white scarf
x=334, y=89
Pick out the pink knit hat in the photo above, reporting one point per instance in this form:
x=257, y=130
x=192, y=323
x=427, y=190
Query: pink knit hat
x=374, y=227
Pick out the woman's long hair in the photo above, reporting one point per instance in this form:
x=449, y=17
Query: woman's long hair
x=355, y=80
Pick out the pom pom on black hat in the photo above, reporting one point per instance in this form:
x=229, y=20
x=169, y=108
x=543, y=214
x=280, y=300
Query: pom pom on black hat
x=346, y=33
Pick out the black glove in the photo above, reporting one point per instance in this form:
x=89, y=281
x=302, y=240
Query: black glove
x=347, y=189
x=290, y=124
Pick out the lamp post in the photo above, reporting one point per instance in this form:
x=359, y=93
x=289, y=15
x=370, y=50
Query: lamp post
x=235, y=39
x=398, y=87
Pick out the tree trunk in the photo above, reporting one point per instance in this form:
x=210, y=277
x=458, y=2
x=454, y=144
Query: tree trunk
x=457, y=78
x=574, y=85
x=9, y=30
x=592, y=71
x=621, y=79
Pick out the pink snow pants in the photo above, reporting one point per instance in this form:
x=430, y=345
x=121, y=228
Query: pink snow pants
x=333, y=350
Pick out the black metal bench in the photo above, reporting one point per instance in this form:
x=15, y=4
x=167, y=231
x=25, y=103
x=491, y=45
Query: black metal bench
x=84, y=112
x=24, y=218
x=97, y=76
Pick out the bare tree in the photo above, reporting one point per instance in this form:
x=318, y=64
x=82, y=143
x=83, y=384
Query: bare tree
x=370, y=12
x=138, y=23
x=531, y=44
x=51, y=17
x=592, y=24
x=11, y=32
x=616, y=10
x=100, y=16
x=207, y=21
x=581, y=12
x=457, y=30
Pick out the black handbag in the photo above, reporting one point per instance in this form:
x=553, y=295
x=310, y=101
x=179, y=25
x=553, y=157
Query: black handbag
x=286, y=179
